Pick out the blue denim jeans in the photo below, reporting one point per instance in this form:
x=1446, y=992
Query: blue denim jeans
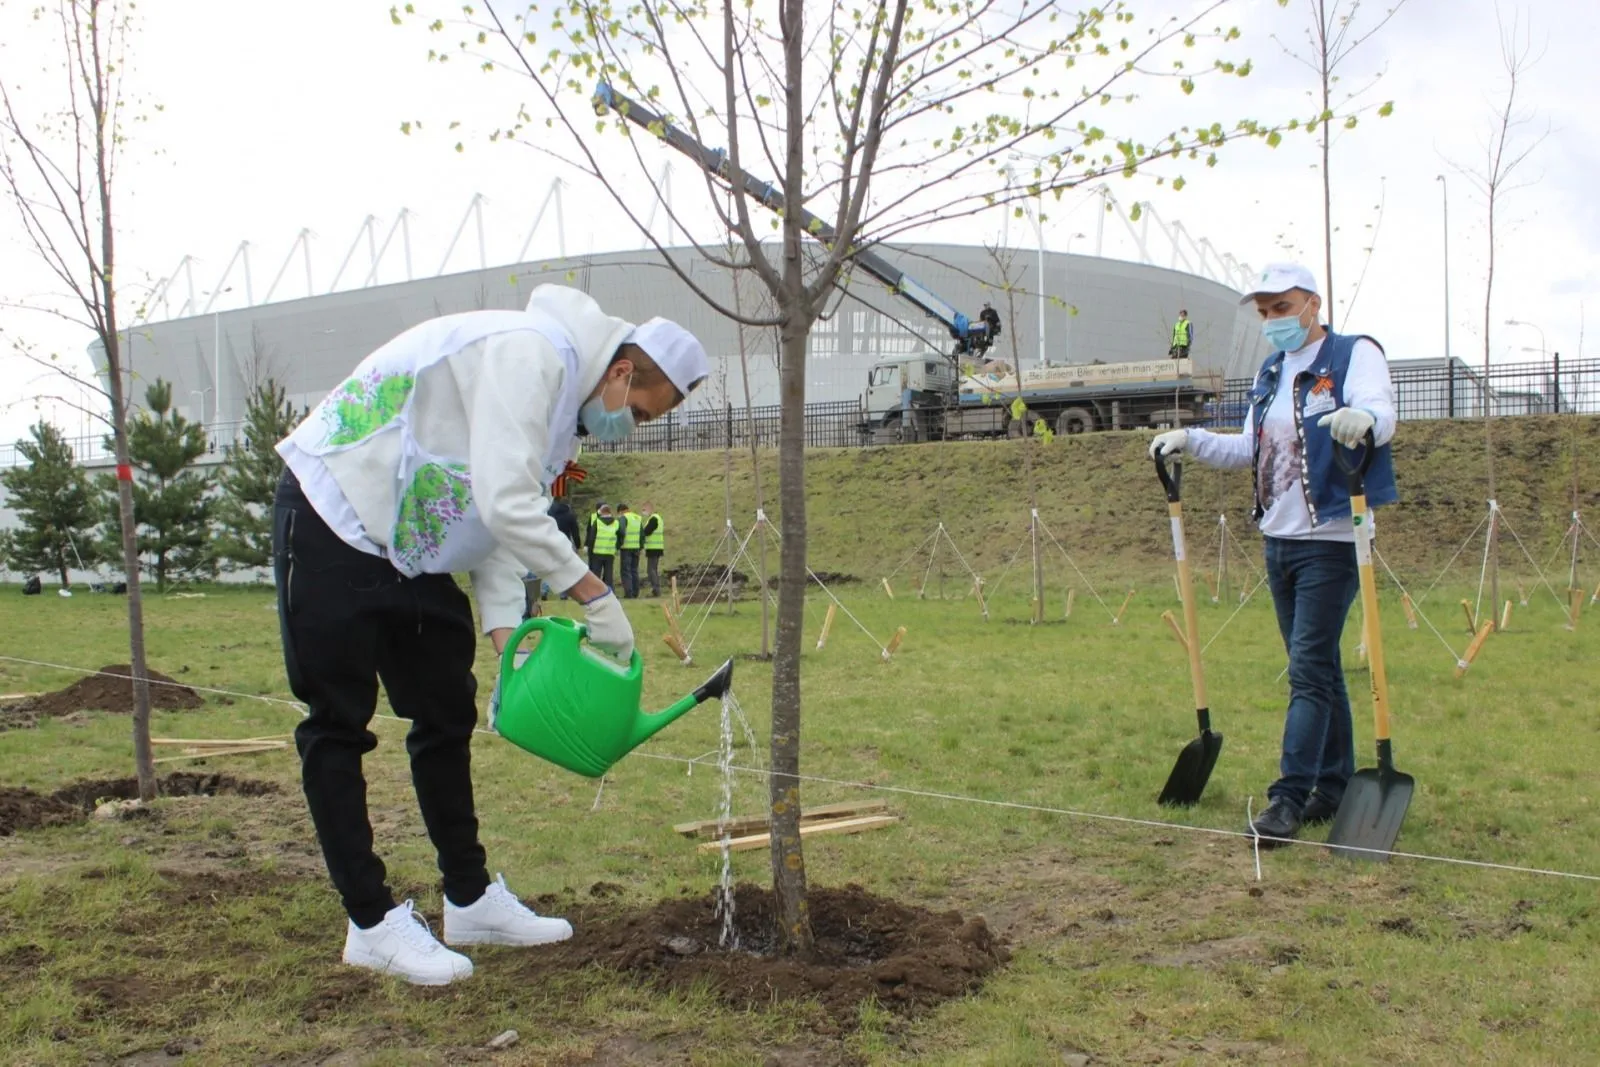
x=1313, y=585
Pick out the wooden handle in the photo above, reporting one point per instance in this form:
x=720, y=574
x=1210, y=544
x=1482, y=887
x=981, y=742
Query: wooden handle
x=888, y=590
x=1474, y=648
x=1373, y=625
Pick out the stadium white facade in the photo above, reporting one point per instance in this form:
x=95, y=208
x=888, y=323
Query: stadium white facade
x=1092, y=309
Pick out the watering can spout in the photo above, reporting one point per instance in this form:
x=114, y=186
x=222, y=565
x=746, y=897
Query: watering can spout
x=715, y=687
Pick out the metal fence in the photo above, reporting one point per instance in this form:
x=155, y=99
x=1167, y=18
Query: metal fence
x=1457, y=391
x=835, y=424
x=1433, y=391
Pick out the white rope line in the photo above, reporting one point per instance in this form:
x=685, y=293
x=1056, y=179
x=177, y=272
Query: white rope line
x=1483, y=573
x=1417, y=603
x=725, y=581
x=994, y=590
x=1246, y=555
x=154, y=681
x=1455, y=656
x=709, y=605
x=915, y=552
x=959, y=557
x=924, y=793
x=1245, y=600
x=1074, y=566
x=1543, y=580
x=922, y=589
x=848, y=613
x=1129, y=820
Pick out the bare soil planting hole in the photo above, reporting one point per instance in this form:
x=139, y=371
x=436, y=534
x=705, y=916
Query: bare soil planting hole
x=109, y=689
x=868, y=947
x=25, y=809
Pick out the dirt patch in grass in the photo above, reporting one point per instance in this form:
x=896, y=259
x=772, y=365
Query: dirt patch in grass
x=110, y=689
x=24, y=809
x=868, y=947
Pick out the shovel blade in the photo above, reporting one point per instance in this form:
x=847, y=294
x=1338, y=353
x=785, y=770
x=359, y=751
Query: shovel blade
x=1370, y=814
x=1193, y=769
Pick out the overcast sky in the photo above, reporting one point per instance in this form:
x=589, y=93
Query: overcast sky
x=288, y=116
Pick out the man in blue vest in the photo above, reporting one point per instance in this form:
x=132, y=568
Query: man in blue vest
x=1317, y=391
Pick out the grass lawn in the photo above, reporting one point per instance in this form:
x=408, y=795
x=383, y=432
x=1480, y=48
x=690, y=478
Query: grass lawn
x=207, y=929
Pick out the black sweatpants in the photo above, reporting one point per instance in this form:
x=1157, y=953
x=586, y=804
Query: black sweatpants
x=349, y=620
x=653, y=562
x=630, y=572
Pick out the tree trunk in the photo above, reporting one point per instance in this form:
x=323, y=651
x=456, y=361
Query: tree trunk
x=788, y=860
x=1492, y=552
x=1327, y=177
x=143, y=757
x=61, y=566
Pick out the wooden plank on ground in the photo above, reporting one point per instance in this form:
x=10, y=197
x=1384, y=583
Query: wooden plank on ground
x=807, y=829
x=746, y=824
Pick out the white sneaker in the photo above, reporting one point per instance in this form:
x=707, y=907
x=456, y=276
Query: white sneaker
x=499, y=918
x=402, y=945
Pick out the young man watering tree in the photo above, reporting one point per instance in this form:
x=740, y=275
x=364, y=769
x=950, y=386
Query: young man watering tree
x=1318, y=391
x=436, y=456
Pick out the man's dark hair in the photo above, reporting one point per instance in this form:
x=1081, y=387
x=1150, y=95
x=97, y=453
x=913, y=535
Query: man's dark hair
x=1183, y=311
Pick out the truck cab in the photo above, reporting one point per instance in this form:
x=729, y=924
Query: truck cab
x=901, y=390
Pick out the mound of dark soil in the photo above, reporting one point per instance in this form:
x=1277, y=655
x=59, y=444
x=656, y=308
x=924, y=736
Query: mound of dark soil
x=110, y=689
x=24, y=809
x=868, y=947
x=701, y=582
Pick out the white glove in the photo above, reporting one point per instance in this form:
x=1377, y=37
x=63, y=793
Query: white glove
x=1348, y=426
x=609, y=629
x=517, y=661
x=1170, y=443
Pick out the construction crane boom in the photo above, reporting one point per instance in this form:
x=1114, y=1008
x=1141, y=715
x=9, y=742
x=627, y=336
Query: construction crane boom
x=970, y=336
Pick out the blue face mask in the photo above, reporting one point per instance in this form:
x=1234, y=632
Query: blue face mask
x=1285, y=334
x=606, y=425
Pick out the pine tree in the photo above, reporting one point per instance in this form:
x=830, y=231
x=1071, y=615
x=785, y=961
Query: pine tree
x=55, y=506
x=171, y=512
x=250, y=478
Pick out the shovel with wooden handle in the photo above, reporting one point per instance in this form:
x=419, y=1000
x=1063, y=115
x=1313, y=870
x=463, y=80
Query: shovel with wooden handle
x=1193, y=769
x=1375, y=801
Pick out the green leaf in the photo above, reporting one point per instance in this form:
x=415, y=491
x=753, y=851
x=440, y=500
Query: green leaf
x=1386, y=110
x=1274, y=139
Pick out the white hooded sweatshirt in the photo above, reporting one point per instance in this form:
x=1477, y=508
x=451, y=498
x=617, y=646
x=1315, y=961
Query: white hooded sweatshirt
x=438, y=452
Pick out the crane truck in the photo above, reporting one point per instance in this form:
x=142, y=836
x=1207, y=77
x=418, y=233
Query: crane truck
x=962, y=394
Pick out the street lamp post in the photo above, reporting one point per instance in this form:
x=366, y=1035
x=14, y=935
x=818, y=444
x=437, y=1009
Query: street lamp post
x=1543, y=348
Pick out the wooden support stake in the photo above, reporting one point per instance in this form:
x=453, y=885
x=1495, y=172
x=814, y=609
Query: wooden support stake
x=672, y=623
x=240, y=750
x=1472, y=621
x=1522, y=595
x=1211, y=583
x=1072, y=594
x=1411, y=610
x=827, y=625
x=220, y=742
x=1474, y=648
x=888, y=589
x=1036, y=611
x=674, y=642
x=1117, y=619
x=1505, y=617
x=677, y=604
x=1177, y=630
x=977, y=591
x=816, y=829
x=749, y=824
x=1576, y=597
x=894, y=643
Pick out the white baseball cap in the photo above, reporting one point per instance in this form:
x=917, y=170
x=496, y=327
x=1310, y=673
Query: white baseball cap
x=1278, y=278
x=679, y=354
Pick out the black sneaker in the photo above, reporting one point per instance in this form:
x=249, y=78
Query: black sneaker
x=1318, y=810
x=1282, y=819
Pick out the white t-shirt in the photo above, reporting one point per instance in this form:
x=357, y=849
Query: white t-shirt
x=1280, y=475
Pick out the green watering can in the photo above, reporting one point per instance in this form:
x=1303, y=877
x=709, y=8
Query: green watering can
x=575, y=706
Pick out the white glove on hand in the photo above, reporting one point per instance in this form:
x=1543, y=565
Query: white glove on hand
x=609, y=629
x=1348, y=426
x=517, y=660
x=1170, y=443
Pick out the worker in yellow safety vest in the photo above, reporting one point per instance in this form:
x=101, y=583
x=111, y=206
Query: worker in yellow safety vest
x=1182, y=332
x=602, y=542
x=631, y=527
x=655, y=544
